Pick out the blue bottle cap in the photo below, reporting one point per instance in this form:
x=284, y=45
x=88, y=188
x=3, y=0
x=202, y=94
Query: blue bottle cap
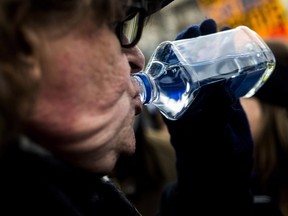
x=147, y=87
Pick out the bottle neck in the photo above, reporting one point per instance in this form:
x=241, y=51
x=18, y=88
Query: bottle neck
x=142, y=79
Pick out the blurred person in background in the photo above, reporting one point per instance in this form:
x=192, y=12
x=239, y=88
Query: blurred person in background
x=267, y=112
x=79, y=105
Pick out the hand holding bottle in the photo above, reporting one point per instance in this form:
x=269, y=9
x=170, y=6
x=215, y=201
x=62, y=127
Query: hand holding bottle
x=213, y=147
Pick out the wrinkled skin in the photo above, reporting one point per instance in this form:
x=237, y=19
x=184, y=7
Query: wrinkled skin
x=87, y=102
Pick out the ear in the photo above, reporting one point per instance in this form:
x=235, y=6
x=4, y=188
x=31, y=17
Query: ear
x=32, y=40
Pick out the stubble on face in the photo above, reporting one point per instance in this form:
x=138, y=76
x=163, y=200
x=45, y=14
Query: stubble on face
x=85, y=108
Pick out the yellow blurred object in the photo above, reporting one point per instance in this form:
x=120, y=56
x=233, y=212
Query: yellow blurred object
x=267, y=17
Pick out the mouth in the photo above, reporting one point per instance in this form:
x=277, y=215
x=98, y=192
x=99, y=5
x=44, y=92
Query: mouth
x=138, y=105
x=136, y=98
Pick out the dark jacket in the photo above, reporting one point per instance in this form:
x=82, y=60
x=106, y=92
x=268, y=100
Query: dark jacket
x=33, y=183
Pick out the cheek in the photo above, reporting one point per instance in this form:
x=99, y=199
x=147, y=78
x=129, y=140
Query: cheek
x=86, y=74
x=113, y=81
x=84, y=85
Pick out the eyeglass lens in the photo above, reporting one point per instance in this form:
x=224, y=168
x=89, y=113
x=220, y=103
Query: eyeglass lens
x=130, y=29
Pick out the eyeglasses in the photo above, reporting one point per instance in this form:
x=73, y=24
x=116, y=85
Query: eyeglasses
x=129, y=30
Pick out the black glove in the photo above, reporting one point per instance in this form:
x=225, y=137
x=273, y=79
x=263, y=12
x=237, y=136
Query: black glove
x=213, y=148
x=206, y=27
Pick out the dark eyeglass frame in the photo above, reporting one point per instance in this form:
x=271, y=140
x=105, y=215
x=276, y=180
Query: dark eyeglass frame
x=132, y=13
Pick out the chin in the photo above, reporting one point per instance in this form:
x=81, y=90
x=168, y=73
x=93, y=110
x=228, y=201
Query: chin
x=130, y=147
x=104, y=167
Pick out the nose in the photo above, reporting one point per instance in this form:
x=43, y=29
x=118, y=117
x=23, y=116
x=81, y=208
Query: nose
x=136, y=58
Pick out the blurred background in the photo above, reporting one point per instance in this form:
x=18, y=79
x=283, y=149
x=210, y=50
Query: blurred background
x=144, y=175
x=269, y=18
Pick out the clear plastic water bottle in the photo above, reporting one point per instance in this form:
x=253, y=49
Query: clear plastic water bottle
x=177, y=70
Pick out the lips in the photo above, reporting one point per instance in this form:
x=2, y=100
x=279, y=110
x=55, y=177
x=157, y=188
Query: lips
x=136, y=98
x=138, y=105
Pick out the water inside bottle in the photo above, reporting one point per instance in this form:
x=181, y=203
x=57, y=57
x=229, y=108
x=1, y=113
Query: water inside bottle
x=177, y=84
x=178, y=71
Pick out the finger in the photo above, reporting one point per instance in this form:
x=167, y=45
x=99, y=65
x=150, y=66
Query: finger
x=190, y=32
x=208, y=26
